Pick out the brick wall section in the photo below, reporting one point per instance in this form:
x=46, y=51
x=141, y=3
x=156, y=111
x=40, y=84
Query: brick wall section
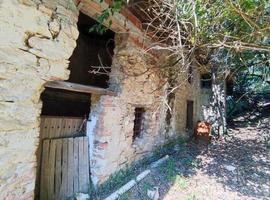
x=36, y=40
x=113, y=148
x=113, y=145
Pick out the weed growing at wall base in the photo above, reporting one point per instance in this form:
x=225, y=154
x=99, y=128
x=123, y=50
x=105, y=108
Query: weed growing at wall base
x=123, y=176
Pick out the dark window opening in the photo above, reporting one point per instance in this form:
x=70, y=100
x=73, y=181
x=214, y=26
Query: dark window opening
x=138, y=122
x=206, y=81
x=190, y=74
x=92, y=58
x=229, y=87
x=189, y=120
x=65, y=103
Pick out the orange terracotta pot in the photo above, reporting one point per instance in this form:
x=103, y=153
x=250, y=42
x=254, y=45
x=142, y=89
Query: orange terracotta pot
x=203, y=131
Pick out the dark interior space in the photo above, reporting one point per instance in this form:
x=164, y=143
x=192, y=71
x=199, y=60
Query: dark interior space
x=189, y=122
x=65, y=103
x=92, y=49
x=138, y=122
x=229, y=86
x=206, y=81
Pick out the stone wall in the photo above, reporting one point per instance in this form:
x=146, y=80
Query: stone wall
x=213, y=105
x=186, y=91
x=36, y=41
x=112, y=118
x=209, y=104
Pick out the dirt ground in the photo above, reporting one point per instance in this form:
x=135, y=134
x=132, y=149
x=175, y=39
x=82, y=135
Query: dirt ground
x=236, y=168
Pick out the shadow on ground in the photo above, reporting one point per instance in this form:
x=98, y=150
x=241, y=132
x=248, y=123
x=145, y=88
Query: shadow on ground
x=237, y=167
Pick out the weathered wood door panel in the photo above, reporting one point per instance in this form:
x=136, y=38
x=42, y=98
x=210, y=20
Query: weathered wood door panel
x=64, y=168
x=52, y=127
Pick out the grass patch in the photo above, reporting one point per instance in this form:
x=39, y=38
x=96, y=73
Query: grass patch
x=181, y=181
x=191, y=197
x=170, y=168
x=147, y=186
x=121, y=177
x=115, y=181
x=190, y=162
x=124, y=197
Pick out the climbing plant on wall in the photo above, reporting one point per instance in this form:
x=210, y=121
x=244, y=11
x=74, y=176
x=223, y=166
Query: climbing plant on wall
x=113, y=8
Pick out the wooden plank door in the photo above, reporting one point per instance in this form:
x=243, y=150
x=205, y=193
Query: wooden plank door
x=54, y=127
x=64, y=168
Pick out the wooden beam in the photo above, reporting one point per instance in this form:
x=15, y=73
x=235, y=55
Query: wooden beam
x=75, y=87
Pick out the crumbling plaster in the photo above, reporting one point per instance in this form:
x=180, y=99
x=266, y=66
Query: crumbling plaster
x=112, y=118
x=113, y=144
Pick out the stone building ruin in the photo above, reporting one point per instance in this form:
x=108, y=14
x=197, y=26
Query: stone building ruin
x=47, y=92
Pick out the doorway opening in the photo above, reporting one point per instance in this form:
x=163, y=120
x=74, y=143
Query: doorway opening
x=189, y=118
x=65, y=111
x=89, y=73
